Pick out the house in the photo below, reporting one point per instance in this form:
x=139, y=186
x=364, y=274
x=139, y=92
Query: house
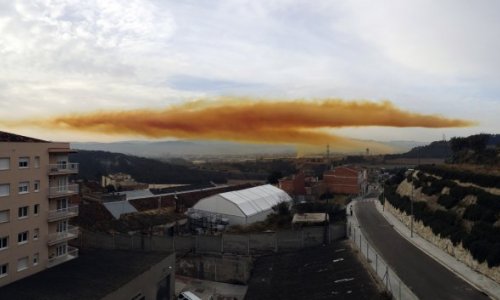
x=294, y=185
x=345, y=180
x=37, y=200
x=121, y=181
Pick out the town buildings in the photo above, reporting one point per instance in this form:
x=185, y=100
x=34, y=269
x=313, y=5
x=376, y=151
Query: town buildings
x=346, y=180
x=36, y=204
x=121, y=182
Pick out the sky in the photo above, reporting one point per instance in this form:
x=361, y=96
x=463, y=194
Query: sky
x=63, y=57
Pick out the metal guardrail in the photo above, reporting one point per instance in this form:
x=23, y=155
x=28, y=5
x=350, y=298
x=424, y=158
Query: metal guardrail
x=68, y=168
x=70, y=254
x=56, y=237
x=391, y=281
x=58, y=214
x=60, y=191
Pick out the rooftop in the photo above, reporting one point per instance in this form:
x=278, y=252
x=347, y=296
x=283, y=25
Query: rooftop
x=93, y=275
x=254, y=200
x=310, y=218
x=11, y=137
x=328, y=272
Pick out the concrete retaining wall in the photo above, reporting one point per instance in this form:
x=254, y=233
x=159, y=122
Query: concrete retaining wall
x=459, y=252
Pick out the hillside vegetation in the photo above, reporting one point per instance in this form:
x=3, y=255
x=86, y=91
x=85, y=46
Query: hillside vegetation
x=475, y=149
x=94, y=164
x=467, y=215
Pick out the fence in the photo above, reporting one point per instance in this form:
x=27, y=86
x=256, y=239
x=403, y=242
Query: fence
x=243, y=244
x=391, y=281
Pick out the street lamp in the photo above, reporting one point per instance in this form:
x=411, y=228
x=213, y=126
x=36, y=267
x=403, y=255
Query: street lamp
x=411, y=207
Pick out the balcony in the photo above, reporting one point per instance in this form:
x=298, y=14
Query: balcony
x=63, y=213
x=72, y=253
x=59, y=237
x=62, y=191
x=63, y=168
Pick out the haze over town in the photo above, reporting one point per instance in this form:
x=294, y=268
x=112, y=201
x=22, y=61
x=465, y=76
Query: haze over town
x=70, y=57
x=249, y=149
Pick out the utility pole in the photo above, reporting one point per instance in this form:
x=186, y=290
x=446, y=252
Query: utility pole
x=411, y=207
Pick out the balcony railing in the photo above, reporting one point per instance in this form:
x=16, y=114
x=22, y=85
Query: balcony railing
x=58, y=237
x=63, y=213
x=63, y=168
x=61, y=191
x=70, y=254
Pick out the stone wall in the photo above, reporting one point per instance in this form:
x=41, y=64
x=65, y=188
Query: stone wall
x=459, y=252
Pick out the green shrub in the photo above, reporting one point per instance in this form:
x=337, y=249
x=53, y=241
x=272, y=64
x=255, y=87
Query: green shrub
x=448, y=201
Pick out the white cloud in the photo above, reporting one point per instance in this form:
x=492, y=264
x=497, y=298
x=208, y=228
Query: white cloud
x=69, y=55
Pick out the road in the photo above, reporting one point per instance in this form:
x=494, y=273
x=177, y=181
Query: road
x=427, y=278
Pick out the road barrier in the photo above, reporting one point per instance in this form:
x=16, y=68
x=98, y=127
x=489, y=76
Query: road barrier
x=393, y=284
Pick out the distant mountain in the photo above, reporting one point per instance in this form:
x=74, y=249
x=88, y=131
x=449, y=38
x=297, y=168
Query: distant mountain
x=94, y=164
x=403, y=146
x=438, y=149
x=166, y=149
x=482, y=149
x=171, y=149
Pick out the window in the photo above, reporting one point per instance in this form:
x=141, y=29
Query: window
x=24, y=162
x=4, y=163
x=4, y=269
x=61, y=249
x=62, y=226
x=22, y=264
x=62, y=204
x=36, y=232
x=62, y=163
x=4, y=216
x=22, y=238
x=22, y=212
x=4, y=242
x=37, y=162
x=24, y=187
x=36, y=186
x=36, y=208
x=36, y=257
x=4, y=189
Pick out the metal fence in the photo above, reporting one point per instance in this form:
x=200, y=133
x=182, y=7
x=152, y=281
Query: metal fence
x=242, y=244
x=391, y=281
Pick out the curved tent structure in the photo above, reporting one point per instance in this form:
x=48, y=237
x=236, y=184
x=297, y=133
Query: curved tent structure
x=243, y=206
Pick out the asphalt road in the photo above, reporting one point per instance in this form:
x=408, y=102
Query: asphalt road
x=427, y=278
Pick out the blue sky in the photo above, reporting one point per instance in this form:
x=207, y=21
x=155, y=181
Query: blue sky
x=433, y=57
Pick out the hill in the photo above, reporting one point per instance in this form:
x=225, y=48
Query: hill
x=168, y=149
x=476, y=149
x=438, y=149
x=457, y=210
x=94, y=164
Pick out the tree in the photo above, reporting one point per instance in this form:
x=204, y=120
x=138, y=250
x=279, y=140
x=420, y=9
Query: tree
x=274, y=177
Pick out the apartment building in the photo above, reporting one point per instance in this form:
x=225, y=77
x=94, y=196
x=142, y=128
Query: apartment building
x=346, y=180
x=35, y=206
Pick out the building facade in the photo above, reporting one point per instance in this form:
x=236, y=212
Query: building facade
x=345, y=180
x=36, y=202
x=294, y=185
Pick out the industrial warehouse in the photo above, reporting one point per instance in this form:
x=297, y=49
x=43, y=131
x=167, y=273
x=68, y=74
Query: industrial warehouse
x=240, y=207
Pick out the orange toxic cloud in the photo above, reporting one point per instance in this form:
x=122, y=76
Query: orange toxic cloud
x=250, y=120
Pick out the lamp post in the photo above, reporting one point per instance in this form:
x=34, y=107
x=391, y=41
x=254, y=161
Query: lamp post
x=411, y=208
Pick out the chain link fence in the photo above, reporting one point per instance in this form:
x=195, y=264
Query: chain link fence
x=241, y=244
x=393, y=284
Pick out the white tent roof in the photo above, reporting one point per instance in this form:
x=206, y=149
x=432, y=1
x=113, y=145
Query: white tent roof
x=255, y=200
